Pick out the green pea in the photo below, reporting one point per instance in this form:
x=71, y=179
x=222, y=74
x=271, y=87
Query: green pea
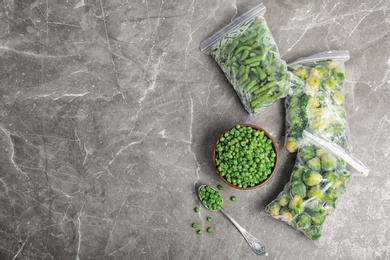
x=210, y=229
x=233, y=198
x=194, y=225
x=200, y=232
x=209, y=219
x=197, y=209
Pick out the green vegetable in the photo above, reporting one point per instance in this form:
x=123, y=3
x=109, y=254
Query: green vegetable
x=220, y=187
x=296, y=204
x=297, y=173
x=283, y=198
x=287, y=214
x=298, y=188
x=332, y=179
x=318, y=220
x=245, y=156
x=306, y=153
x=210, y=229
x=312, y=178
x=303, y=221
x=200, y=232
x=313, y=232
x=319, y=98
x=314, y=164
x=328, y=162
x=273, y=208
x=197, y=209
x=233, y=198
x=248, y=56
x=209, y=219
x=194, y=225
x=210, y=198
x=315, y=193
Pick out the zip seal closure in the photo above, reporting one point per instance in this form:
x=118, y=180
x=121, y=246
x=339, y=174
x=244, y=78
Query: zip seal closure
x=209, y=42
x=336, y=55
x=338, y=151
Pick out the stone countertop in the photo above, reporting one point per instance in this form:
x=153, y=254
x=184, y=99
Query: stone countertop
x=109, y=114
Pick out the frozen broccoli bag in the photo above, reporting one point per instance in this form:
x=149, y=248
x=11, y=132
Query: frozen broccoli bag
x=320, y=176
x=319, y=101
x=247, y=54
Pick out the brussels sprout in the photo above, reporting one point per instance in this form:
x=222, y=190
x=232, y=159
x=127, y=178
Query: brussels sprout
x=273, y=208
x=320, y=152
x=301, y=72
x=316, y=209
x=314, y=164
x=328, y=162
x=329, y=206
x=330, y=84
x=296, y=204
x=338, y=98
x=313, y=232
x=287, y=214
x=313, y=102
x=316, y=193
x=298, y=188
x=283, y=198
x=312, y=178
x=303, y=221
x=331, y=195
x=318, y=220
x=306, y=153
x=297, y=172
x=319, y=72
x=312, y=85
x=291, y=144
x=332, y=179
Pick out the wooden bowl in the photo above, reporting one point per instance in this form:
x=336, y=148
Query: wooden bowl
x=272, y=170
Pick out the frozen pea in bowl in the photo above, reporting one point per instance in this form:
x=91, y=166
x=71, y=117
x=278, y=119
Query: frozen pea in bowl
x=245, y=157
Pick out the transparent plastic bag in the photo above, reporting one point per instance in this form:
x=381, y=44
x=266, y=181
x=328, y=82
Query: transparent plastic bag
x=247, y=54
x=319, y=101
x=320, y=176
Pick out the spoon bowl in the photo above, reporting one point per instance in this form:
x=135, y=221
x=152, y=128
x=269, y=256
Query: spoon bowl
x=257, y=247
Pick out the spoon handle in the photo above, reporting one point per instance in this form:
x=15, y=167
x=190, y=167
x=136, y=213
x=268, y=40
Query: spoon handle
x=253, y=242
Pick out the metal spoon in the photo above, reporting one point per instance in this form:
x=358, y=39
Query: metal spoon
x=253, y=242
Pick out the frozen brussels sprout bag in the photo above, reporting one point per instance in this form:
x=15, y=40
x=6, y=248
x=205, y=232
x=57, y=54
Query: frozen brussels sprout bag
x=247, y=54
x=320, y=176
x=319, y=101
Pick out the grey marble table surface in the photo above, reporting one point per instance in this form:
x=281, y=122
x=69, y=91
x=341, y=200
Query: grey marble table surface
x=109, y=113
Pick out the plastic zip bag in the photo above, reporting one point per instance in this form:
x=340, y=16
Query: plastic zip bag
x=320, y=176
x=319, y=101
x=247, y=54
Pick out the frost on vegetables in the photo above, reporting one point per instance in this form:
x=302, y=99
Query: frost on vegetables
x=318, y=103
x=319, y=177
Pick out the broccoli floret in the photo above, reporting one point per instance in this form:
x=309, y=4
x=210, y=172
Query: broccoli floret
x=319, y=72
x=317, y=112
x=312, y=85
x=312, y=178
x=313, y=102
x=318, y=125
x=338, y=98
x=330, y=84
x=296, y=131
x=301, y=72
